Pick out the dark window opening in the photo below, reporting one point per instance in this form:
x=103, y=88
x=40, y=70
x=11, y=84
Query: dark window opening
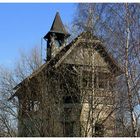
x=99, y=129
x=87, y=79
x=70, y=99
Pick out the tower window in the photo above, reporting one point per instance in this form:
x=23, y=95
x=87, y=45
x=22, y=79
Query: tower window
x=57, y=43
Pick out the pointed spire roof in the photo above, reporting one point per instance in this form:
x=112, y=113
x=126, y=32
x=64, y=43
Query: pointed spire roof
x=57, y=27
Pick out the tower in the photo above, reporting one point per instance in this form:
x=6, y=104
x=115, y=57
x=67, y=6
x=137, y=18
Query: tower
x=56, y=37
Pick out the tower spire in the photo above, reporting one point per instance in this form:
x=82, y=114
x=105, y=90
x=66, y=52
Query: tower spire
x=90, y=18
x=55, y=37
x=57, y=27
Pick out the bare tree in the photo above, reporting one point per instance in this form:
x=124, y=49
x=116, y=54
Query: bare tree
x=118, y=25
x=26, y=64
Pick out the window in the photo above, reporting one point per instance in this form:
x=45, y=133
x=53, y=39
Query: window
x=87, y=79
x=70, y=99
x=68, y=129
x=33, y=105
x=99, y=129
x=36, y=106
x=103, y=80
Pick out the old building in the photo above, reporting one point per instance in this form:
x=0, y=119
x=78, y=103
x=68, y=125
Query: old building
x=73, y=92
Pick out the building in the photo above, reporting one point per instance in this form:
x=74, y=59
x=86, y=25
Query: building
x=73, y=92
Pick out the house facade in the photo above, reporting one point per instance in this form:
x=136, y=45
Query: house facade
x=73, y=93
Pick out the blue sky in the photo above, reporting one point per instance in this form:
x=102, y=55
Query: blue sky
x=23, y=25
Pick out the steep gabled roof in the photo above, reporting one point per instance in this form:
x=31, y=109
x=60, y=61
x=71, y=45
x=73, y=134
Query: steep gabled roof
x=57, y=27
x=63, y=53
x=52, y=61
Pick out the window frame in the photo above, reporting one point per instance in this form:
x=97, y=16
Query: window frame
x=34, y=105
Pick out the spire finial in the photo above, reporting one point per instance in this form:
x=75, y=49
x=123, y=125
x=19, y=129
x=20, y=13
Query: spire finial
x=58, y=27
x=90, y=18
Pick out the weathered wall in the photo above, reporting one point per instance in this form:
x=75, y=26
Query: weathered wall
x=52, y=93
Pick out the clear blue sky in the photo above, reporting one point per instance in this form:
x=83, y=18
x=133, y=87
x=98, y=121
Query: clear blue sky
x=23, y=25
